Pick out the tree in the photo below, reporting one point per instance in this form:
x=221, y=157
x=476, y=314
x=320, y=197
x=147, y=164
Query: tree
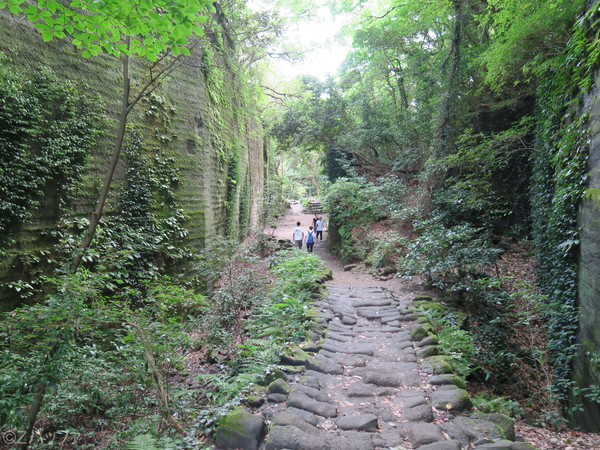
x=314, y=123
x=159, y=31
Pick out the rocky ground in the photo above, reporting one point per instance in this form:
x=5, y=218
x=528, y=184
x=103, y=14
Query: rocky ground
x=370, y=378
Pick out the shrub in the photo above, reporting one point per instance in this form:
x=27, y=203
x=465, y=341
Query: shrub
x=352, y=204
x=448, y=257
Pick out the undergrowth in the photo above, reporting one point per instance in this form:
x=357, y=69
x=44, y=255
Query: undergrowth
x=119, y=365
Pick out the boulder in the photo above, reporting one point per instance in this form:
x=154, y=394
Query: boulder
x=278, y=386
x=454, y=400
x=240, y=429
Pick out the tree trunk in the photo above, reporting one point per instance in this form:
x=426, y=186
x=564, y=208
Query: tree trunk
x=97, y=214
x=446, y=136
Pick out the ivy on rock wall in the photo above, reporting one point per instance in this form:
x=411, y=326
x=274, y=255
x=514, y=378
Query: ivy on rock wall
x=559, y=184
x=194, y=167
x=48, y=128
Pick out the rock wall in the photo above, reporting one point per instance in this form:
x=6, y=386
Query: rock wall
x=215, y=137
x=586, y=370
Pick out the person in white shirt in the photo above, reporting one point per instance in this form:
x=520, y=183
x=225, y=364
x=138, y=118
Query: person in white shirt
x=298, y=235
x=319, y=227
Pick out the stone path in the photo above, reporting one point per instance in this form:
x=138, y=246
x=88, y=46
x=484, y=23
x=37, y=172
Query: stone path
x=364, y=388
x=371, y=378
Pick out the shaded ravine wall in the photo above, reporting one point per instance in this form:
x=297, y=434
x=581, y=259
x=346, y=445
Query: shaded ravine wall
x=207, y=133
x=586, y=368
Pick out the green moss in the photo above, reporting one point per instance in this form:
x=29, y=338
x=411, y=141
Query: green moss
x=295, y=357
x=231, y=422
x=437, y=364
x=428, y=305
x=419, y=332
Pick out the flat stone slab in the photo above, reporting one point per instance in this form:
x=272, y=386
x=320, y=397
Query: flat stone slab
x=348, y=320
x=324, y=366
x=442, y=445
x=277, y=398
x=410, y=399
x=420, y=413
x=352, y=348
x=306, y=416
x=340, y=337
x=301, y=400
x=288, y=417
x=361, y=390
x=372, y=303
x=422, y=433
x=291, y=437
x=313, y=393
x=363, y=422
x=346, y=360
x=379, y=378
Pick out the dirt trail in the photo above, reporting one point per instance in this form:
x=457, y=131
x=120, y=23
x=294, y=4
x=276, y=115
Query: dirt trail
x=284, y=231
x=372, y=379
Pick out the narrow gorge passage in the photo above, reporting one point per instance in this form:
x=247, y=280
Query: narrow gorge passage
x=372, y=384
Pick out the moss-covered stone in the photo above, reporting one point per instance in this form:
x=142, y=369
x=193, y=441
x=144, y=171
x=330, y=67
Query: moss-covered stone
x=312, y=313
x=451, y=400
x=419, y=332
x=430, y=350
x=295, y=357
x=437, y=364
x=428, y=305
x=278, y=386
x=326, y=275
x=254, y=401
x=448, y=379
x=240, y=429
x=293, y=370
x=505, y=423
x=275, y=374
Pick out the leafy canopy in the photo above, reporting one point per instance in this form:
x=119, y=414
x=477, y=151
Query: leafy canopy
x=102, y=26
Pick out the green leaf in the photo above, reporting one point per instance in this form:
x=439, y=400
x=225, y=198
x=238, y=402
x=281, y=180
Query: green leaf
x=15, y=9
x=47, y=35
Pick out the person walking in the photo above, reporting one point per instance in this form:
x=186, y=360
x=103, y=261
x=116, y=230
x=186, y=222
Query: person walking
x=310, y=239
x=319, y=225
x=298, y=235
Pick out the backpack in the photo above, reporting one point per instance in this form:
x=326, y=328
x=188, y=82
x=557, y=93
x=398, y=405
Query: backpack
x=309, y=238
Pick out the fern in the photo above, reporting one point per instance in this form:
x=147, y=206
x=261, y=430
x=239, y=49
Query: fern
x=144, y=442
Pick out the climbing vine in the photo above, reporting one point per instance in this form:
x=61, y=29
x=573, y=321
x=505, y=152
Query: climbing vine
x=48, y=130
x=559, y=182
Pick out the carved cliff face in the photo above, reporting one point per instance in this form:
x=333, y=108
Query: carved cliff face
x=205, y=127
x=586, y=370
